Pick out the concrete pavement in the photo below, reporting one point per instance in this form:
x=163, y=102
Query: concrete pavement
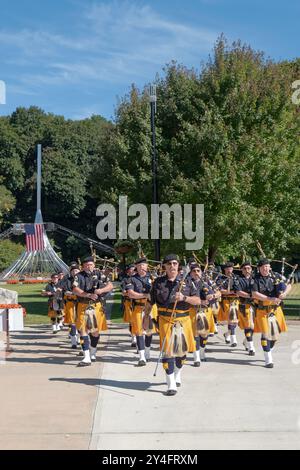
x=231, y=401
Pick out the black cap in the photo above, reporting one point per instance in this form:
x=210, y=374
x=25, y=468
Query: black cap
x=195, y=266
x=74, y=265
x=141, y=260
x=88, y=259
x=170, y=257
x=129, y=266
x=228, y=264
x=246, y=263
x=263, y=261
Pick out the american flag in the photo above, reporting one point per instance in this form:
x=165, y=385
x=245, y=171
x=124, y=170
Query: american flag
x=34, y=237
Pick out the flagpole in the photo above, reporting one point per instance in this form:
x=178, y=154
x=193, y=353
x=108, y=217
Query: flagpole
x=38, y=215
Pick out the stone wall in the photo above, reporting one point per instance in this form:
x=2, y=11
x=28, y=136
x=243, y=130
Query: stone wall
x=8, y=296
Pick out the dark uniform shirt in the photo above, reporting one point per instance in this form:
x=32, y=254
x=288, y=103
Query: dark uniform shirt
x=89, y=282
x=125, y=280
x=66, y=284
x=246, y=284
x=141, y=285
x=223, y=282
x=265, y=285
x=53, y=288
x=164, y=290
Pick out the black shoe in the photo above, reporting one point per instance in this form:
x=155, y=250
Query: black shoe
x=74, y=346
x=233, y=345
x=197, y=364
x=141, y=363
x=171, y=393
x=251, y=353
x=84, y=364
x=178, y=384
x=133, y=345
x=270, y=366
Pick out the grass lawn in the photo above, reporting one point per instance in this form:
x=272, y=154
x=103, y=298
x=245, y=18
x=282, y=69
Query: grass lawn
x=29, y=296
x=116, y=313
x=36, y=306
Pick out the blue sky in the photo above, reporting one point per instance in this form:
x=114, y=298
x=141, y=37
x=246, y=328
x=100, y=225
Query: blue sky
x=74, y=57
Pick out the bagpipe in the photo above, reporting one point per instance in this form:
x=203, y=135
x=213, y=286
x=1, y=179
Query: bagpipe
x=280, y=280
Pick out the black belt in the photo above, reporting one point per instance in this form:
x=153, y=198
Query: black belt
x=267, y=307
x=245, y=302
x=168, y=312
x=88, y=301
x=137, y=302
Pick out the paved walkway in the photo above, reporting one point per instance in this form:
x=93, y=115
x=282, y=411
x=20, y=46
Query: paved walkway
x=231, y=401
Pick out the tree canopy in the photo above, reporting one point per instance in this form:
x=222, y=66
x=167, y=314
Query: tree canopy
x=227, y=137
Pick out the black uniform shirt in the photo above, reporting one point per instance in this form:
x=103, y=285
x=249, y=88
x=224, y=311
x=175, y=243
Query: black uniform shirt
x=246, y=284
x=223, y=282
x=265, y=285
x=125, y=280
x=163, y=292
x=139, y=284
x=66, y=284
x=201, y=286
x=51, y=288
x=89, y=282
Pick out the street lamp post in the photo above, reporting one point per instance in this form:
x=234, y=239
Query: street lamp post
x=152, y=99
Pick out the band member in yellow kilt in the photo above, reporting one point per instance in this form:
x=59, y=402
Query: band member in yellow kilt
x=138, y=289
x=70, y=302
x=246, y=308
x=127, y=304
x=268, y=293
x=90, y=286
x=228, y=311
x=205, y=295
x=55, y=306
x=175, y=332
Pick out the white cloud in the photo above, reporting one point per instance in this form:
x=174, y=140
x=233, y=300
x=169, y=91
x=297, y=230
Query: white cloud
x=116, y=42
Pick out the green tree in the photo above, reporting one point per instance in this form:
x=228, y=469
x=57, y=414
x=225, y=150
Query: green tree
x=9, y=252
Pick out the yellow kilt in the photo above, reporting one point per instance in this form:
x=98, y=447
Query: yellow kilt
x=100, y=316
x=154, y=312
x=127, y=313
x=52, y=313
x=261, y=319
x=210, y=318
x=223, y=314
x=165, y=330
x=244, y=318
x=137, y=320
x=70, y=309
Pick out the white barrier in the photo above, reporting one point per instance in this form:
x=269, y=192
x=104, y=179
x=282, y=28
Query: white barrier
x=12, y=317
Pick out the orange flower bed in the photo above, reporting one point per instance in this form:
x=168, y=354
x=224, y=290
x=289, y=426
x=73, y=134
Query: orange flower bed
x=29, y=281
x=11, y=306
